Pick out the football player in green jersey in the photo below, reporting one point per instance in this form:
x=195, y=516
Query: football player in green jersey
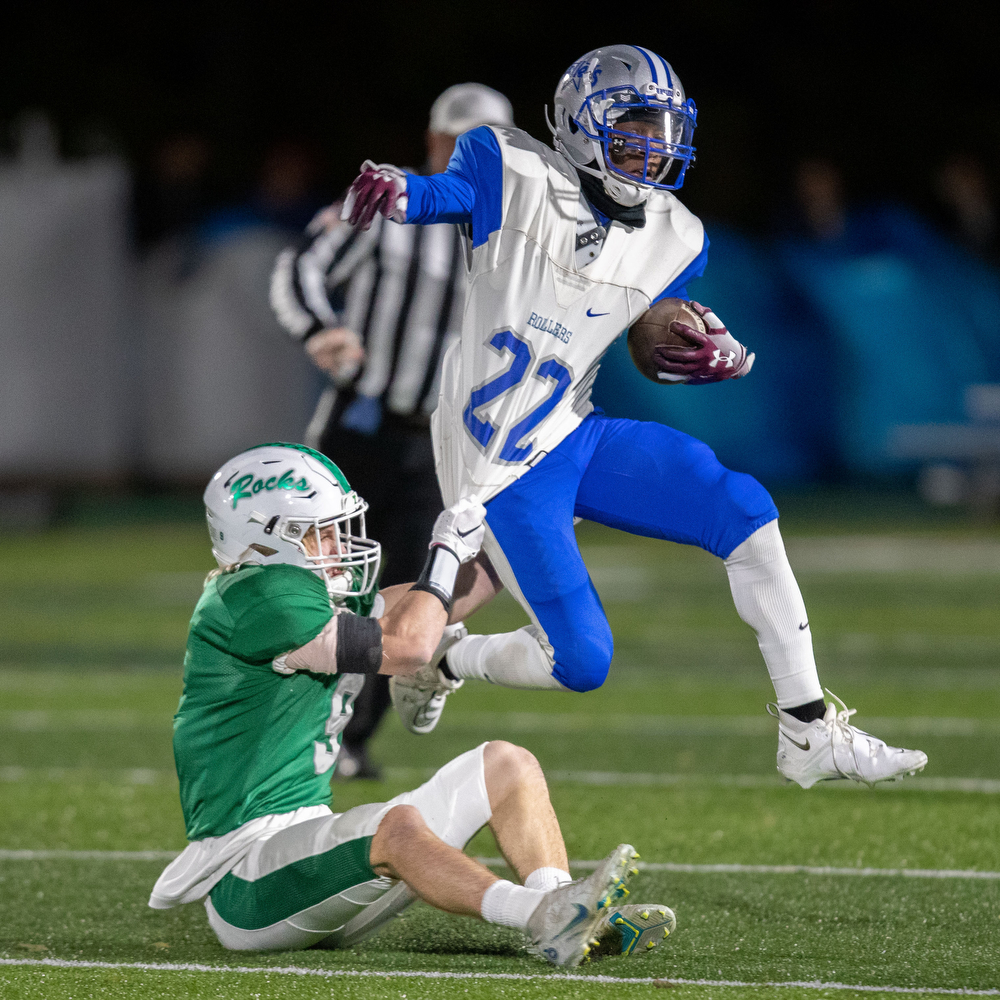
x=281, y=641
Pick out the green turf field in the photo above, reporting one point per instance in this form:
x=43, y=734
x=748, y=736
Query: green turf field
x=674, y=755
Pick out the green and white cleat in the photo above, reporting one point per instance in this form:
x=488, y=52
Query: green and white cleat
x=633, y=929
x=419, y=698
x=562, y=930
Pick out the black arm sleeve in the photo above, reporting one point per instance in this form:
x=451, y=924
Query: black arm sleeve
x=359, y=645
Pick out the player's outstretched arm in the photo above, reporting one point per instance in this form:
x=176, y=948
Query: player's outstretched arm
x=415, y=615
x=469, y=191
x=411, y=628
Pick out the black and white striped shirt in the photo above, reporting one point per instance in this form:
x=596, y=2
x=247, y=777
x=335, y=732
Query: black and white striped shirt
x=400, y=288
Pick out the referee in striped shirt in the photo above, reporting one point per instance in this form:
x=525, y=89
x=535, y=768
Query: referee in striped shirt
x=376, y=311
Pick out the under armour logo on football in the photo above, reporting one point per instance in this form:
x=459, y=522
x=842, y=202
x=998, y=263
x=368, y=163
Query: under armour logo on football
x=718, y=358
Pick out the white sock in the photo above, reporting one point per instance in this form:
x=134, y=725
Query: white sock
x=509, y=904
x=547, y=879
x=767, y=598
x=512, y=659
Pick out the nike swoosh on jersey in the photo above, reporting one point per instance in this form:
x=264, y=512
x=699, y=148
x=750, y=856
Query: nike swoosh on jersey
x=594, y=315
x=804, y=626
x=801, y=746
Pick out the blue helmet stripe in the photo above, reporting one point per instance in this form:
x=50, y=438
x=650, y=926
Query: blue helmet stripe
x=666, y=71
x=646, y=54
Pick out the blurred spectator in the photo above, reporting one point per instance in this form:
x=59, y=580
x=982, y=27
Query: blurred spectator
x=214, y=378
x=174, y=196
x=37, y=143
x=890, y=292
x=285, y=196
x=819, y=192
x=969, y=205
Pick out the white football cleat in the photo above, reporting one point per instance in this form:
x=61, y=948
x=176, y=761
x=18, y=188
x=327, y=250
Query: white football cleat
x=634, y=929
x=562, y=928
x=830, y=748
x=419, y=698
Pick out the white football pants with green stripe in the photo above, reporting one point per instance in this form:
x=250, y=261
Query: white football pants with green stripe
x=312, y=883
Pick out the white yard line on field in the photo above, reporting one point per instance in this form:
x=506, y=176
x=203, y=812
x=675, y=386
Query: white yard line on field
x=56, y=855
x=293, y=970
x=705, y=725
x=885, y=554
x=649, y=866
x=987, y=786
x=670, y=866
x=610, y=779
x=615, y=567
x=101, y=720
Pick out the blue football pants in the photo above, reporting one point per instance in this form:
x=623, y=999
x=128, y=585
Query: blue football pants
x=641, y=477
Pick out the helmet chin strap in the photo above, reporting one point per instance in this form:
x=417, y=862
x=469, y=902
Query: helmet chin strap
x=625, y=194
x=619, y=191
x=593, y=188
x=548, y=121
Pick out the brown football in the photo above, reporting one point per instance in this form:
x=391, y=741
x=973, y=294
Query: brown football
x=653, y=327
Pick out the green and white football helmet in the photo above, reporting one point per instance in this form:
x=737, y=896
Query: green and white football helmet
x=263, y=504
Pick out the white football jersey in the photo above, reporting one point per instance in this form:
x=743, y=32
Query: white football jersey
x=537, y=322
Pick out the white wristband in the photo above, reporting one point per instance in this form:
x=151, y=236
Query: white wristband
x=443, y=569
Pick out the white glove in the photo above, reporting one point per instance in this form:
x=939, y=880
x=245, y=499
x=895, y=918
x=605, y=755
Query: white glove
x=461, y=528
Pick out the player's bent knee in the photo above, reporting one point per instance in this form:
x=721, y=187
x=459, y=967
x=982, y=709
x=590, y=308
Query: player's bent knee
x=583, y=651
x=399, y=829
x=510, y=762
x=401, y=821
x=587, y=668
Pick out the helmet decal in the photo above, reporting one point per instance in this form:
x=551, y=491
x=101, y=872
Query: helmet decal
x=286, y=503
x=312, y=453
x=580, y=69
x=246, y=486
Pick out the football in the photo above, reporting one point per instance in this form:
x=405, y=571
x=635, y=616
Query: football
x=653, y=327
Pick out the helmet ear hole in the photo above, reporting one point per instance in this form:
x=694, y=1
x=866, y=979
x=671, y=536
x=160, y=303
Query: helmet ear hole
x=573, y=127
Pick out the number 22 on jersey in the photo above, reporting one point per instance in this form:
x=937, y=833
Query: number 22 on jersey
x=519, y=369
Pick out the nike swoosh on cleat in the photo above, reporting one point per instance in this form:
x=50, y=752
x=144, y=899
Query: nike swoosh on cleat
x=801, y=746
x=582, y=914
x=803, y=626
x=594, y=315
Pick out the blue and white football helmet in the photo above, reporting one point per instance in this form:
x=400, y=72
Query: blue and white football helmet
x=621, y=115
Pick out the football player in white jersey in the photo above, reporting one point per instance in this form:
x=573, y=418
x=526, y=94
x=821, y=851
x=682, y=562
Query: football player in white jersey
x=567, y=247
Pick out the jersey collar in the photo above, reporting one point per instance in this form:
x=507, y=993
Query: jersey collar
x=606, y=208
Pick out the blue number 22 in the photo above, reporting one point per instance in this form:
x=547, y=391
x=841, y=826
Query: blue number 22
x=550, y=369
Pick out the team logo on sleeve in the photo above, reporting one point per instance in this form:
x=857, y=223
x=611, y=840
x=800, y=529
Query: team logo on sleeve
x=246, y=486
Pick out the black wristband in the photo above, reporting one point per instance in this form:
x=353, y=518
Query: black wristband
x=359, y=644
x=436, y=591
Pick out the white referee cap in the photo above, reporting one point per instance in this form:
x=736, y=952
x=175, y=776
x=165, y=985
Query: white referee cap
x=468, y=105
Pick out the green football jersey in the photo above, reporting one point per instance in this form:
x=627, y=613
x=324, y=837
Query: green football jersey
x=249, y=741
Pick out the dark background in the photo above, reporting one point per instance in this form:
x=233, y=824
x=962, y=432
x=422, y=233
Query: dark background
x=885, y=89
